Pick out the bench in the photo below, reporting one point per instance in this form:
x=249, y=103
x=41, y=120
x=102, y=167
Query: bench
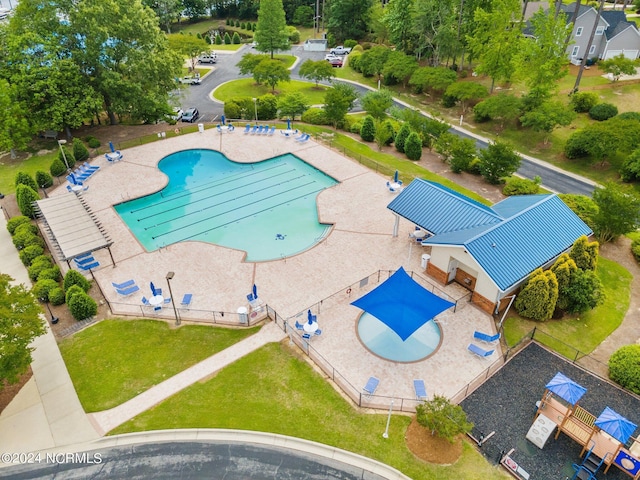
x=52, y=134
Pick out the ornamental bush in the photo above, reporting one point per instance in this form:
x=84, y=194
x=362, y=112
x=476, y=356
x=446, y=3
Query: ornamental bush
x=43, y=262
x=413, y=146
x=56, y=296
x=624, y=367
x=80, y=152
x=28, y=228
x=538, y=297
x=82, y=306
x=521, y=186
x=401, y=137
x=43, y=179
x=232, y=109
x=68, y=155
x=23, y=178
x=72, y=291
x=582, y=102
x=603, y=111
x=57, y=167
x=355, y=127
x=42, y=288
x=73, y=277
x=235, y=39
x=585, y=253
x=23, y=239
x=25, y=196
x=15, y=222
x=28, y=254
x=93, y=142
x=368, y=130
x=635, y=249
x=584, y=293
x=227, y=38
x=315, y=116
x=267, y=107
x=52, y=273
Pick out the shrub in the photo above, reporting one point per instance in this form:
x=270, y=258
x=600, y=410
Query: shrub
x=474, y=166
x=585, y=253
x=629, y=116
x=235, y=39
x=42, y=288
x=521, y=186
x=444, y=419
x=23, y=178
x=26, y=227
x=630, y=170
x=52, y=273
x=57, y=167
x=243, y=25
x=237, y=24
x=315, y=116
x=481, y=113
x=82, y=306
x=28, y=254
x=624, y=367
x=350, y=43
x=15, y=222
x=93, y=142
x=355, y=127
x=72, y=291
x=267, y=107
x=68, y=155
x=228, y=21
x=368, y=130
x=354, y=60
x=413, y=146
x=80, y=152
x=43, y=179
x=584, y=292
x=73, y=277
x=23, y=239
x=401, y=137
x=449, y=101
x=575, y=146
x=293, y=34
x=38, y=264
x=227, y=38
x=218, y=40
x=603, y=111
x=232, y=109
x=538, y=297
x=635, y=249
x=582, y=102
x=56, y=296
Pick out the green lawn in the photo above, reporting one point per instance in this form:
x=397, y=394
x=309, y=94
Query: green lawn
x=584, y=332
x=246, y=87
x=272, y=390
x=9, y=168
x=116, y=360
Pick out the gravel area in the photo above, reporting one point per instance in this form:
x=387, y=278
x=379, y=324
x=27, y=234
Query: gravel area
x=506, y=404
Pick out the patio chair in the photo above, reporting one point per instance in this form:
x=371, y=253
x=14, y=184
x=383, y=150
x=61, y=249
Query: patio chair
x=158, y=291
x=318, y=332
x=486, y=338
x=299, y=326
x=420, y=389
x=167, y=300
x=271, y=130
x=306, y=336
x=247, y=129
x=371, y=386
x=476, y=350
x=186, y=300
x=123, y=285
x=113, y=157
x=127, y=291
x=145, y=301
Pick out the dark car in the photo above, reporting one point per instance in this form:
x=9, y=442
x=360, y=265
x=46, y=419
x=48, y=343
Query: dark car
x=190, y=115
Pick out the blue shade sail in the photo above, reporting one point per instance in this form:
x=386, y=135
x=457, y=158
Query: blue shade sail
x=402, y=304
x=615, y=425
x=566, y=388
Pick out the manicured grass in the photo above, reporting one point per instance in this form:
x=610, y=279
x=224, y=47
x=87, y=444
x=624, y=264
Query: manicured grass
x=584, y=332
x=246, y=87
x=116, y=360
x=272, y=390
x=9, y=168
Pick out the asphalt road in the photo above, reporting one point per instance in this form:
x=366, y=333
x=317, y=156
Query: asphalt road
x=225, y=70
x=190, y=461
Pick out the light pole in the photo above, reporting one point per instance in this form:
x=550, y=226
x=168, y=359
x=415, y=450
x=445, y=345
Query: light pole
x=64, y=156
x=173, y=300
x=255, y=107
x=386, y=430
x=54, y=319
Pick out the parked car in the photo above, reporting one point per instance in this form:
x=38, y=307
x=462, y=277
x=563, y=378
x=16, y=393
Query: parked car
x=340, y=50
x=335, y=62
x=210, y=57
x=190, y=115
x=177, y=114
x=191, y=80
x=330, y=56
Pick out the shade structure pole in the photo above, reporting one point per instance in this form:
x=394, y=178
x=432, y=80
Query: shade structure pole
x=396, y=225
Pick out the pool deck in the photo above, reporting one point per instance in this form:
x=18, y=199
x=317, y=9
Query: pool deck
x=359, y=244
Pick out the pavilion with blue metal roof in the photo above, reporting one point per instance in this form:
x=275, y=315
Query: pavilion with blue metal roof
x=490, y=250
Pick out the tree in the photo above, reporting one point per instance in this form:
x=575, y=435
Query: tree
x=23, y=178
x=547, y=117
x=563, y=268
x=188, y=46
x=73, y=277
x=502, y=107
x=80, y=152
x=398, y=68
x=270, y=32
x=585, y=253
x=582, y=102
x=618, y=66
x=368, y=129
x=624, y=367
x=584, y=293
x=444, y=419
x=43, y=179
x=349, y=19
x=303, y=16
x=249, y=62
x=435, y=25
x=377, y=102
x=271, y=72
x=618, y=211
x=25, y=196
x=384, y=133
x=15, y=132
x=432, y=78
x=317, y=71
x=465, y=92
x=292, y=104
x=167, y=11
x=462, y=154
x=538, y=297
x=583, y=206
x=413, y=147
x=338, y=101
x=82, y=306
x=194, y=9
x=20, y=324
x=630, y=170
x=497, y=161
x=372, y=61
x=397, y=17
x=401, y=136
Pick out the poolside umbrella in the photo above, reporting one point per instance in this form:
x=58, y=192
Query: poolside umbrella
x=153, y=289
x=395, y=177
x=566, y=388
x=255, y=291
x=615, y=425
x=73, y=178
x=309, y=316
x=223, y=119
x=113, y=149
x=288, y=124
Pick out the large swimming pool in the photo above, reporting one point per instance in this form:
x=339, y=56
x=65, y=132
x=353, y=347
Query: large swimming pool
x=267, y=209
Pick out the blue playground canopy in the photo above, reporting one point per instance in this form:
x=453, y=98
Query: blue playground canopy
x=615, y=425
x=402, y=304
x=566, y=388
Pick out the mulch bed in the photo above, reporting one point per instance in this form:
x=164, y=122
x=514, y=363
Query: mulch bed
x=506, y=404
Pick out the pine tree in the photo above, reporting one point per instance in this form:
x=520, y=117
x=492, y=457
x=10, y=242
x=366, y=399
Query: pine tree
x=537, y=299
x=401, y=137
x=413, y=146
x=270, y=33
x=368, y=129
x=585, y=253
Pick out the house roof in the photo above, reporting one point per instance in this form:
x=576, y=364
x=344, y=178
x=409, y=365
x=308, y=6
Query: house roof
x=518, y=235
x=618, y=23
x=571, y=8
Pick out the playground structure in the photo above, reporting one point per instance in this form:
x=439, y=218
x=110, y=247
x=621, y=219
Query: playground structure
x=607, y=439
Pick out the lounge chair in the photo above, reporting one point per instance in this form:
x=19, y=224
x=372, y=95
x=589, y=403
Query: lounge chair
x=306, y=336
x=271, y=131
x=84, y=260
x=303, y=138
x=486, y=338
x=69, y=189
x=419, y=388
x=88, y=166
x=219, y=128
x=247, y=129
x=127, y=291
x=88, y=266
x=167, y=300
x=254, y=130
x=371, y=386
x=476, y=350
x=299, y=326
x=123, y=285
x=186, y=300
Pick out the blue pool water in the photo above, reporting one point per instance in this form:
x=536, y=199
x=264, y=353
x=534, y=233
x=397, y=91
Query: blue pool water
x=386, y=343
x=268, y=208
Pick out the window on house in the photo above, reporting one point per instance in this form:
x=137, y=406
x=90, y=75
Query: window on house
x=599, y=30
x=592, y=50
x=574, y=52
x=578, y=31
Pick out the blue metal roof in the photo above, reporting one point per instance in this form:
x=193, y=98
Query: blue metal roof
x=523, y=233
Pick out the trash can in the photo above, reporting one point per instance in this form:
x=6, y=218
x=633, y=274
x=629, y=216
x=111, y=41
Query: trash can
x=425, y=260
x=242, y=314
x=201, y=127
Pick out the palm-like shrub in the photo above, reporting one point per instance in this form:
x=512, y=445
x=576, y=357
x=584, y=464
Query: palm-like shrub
x=413, y=146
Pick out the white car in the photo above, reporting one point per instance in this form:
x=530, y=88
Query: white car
x=177, y=114
x=191, y=80
x=210, y=57
x=340, y=50
x=330, y=56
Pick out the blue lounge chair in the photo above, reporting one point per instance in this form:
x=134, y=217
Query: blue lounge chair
x=127, y=291
x=272, y=131
x=371, y=386
x=476, y=350
x=69, y=189
x=89, y=266
x=167, y=300
x=486, y=338
x=84, y=255
x=145, y=302
x=73, y=180
x=88, y=166
x=254, y=130
x=186, y=300
x=299, y=326
x=247, y=129
x=123, y=285
x=419, y=388
x=84, y=260
x=303, y=138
